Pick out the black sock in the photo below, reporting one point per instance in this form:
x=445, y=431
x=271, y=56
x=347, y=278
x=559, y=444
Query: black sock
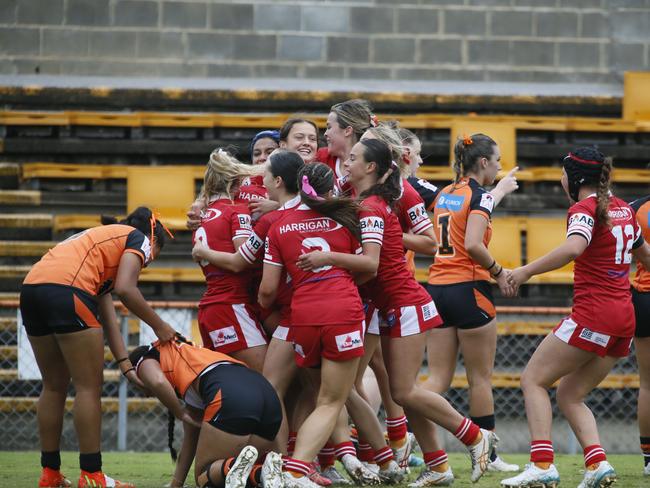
x=91, y=462
x=645, y=449
x=51, y=459
x=486, y=422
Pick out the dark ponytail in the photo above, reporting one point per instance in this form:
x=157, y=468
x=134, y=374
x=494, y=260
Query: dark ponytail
x=388, y=186
x=171, y=423
x=286, y=165
x=343, y=210
x=141, y=218
x=468, y=150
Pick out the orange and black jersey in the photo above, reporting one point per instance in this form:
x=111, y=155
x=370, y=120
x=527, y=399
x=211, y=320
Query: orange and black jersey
x=427, y=191
x=642, y=209
x=452, y=208
x=89, y=260
x=182, y=363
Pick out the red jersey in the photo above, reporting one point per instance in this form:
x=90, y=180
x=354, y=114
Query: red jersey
x=221, y=223
x=341, y=185
x=394, y=286
x=602, y=301
x=251, y=189
x=411, y=211
x=642, y=208
x=251, y=250
x=323, y=296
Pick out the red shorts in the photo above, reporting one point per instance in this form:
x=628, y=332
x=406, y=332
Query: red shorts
x=228, y=328
x=588, y=340
x=411, y=320
x=333, y=342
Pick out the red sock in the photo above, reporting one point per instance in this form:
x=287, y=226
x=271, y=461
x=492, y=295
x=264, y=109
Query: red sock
x=467, y=432
x=365, y=453
x=594, y=454
x=354, y=434
x=384, y=455
x=435, y=458
x=344, y=448
x=541, y=452
x=326, y=456
x=396, y=428
x=291, y=443
x=254, y=478
x=296, y=466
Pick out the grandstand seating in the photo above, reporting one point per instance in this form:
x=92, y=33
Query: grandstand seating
x=636, y=101
x=502, y=132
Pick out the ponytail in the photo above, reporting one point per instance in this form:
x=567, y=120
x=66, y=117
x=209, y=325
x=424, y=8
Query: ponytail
x=388, y=186
x=171, y=422
x=602, y=193
x=317, y=181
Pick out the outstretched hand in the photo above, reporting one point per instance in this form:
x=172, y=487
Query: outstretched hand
x=509, y=183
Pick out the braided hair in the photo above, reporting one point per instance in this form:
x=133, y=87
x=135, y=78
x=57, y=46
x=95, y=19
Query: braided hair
x=588, y=166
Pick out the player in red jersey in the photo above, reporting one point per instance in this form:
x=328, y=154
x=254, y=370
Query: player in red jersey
x=325, y=336
x=641, y=301
x=227, y=320
x=406, y=308
x=346, y=123
x=602, y=237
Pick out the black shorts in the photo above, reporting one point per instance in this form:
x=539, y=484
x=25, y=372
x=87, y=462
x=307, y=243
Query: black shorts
x=464, y=305
x=57, y=309
x=240, y=401
x=641, y=301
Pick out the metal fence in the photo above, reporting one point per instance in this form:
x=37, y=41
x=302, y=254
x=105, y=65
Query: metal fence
x=133, y=422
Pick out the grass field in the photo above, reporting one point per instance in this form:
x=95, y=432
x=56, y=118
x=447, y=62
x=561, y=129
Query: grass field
x=153, y=470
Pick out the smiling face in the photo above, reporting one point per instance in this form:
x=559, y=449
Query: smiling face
x=356, y=166
x=337, y=137
x=262, y=149
x=302, y=139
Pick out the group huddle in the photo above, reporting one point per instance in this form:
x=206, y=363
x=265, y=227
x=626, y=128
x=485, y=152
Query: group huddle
x=308, y=259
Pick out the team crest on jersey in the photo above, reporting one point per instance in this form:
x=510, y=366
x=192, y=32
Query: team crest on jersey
x=224, y=336
x=487, y=201
x=594, y=337
x=346, y=342
x=620, y=213
x=210, y=214
x=450, y=202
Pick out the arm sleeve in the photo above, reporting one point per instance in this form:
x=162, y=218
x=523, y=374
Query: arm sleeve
x=427, y=191
x=482, y=202
x=240, y=224
x=580, y=221
x=372, y=226
x=271, y=250
x=138, y=243
x=414, y=212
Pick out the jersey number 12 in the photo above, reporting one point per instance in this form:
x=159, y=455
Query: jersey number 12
x=624, y=241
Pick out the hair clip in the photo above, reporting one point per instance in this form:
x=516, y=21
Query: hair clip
x=467, y=140
x=374, y=121
x=307, y=189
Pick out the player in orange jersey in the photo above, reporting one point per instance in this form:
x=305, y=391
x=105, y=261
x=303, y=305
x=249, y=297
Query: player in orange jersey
x=66, y=306
x=459, y=280
x=641, y=301
x=230, y=410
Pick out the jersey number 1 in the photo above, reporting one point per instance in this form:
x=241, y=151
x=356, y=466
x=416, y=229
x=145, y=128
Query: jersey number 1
x=445, y=248
x=624, y=241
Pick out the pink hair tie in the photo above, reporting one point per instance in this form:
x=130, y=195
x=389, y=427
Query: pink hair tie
x=307, y=189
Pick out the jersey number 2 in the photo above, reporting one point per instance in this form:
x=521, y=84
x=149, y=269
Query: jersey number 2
x=317, y=244
x=624, y=241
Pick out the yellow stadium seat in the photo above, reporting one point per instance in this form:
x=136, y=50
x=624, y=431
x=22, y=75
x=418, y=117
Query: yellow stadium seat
x=542, y=236
x=169, y=191
x=505, y=245
x=636, y=96
x=503, y=133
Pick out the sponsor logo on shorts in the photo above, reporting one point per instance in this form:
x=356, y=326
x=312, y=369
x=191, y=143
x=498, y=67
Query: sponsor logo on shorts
x=450, y=202
x=391, y=318
x=427, y=312
x=298, y=349
x=346, y=342
x=594, y=337
x=224, y=336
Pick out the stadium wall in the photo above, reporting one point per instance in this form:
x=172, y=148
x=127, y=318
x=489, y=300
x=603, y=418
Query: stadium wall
x=589, y=41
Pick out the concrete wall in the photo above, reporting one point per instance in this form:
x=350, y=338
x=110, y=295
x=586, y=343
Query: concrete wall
x=491, y=40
